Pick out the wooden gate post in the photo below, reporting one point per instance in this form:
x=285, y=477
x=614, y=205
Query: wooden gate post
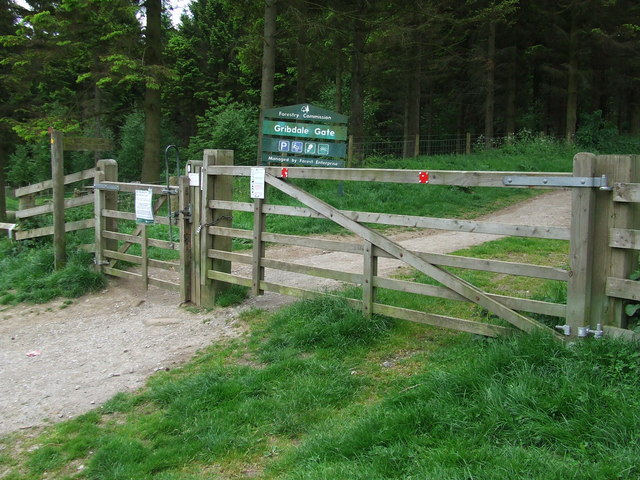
x=215, y=187
x=370, y=270
x=110, y=169
x=185, y=223
x=608, y=261
x=194, y=167
x=57, y=177
x=583, y=201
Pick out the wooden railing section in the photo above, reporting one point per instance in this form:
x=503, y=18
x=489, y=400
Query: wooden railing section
x=27, y=207
x=597, y=277
x=368, y=277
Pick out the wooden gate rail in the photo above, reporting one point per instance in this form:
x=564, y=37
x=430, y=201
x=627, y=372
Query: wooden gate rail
x=436, y=177
x=112, y=245
x=28, y=209
x=625, y=194
x=469, y=226
x=454, y=289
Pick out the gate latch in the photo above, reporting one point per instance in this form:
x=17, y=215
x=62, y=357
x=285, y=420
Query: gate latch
x=185, y=211
x=531, y=181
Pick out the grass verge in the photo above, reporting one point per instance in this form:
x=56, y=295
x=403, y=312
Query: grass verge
x=28, y=274
x=316, y=391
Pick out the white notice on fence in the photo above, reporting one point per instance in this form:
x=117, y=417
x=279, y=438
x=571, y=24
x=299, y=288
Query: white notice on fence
x=194, y=179
x=257, y=182
x=144, y=206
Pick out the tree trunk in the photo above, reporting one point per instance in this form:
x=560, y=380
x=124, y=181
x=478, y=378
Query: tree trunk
x=301, y=54
x=490, y=92
x=153, y=58
x=572, y=84
x=268, y=66
x=3, y=179
x=510, y=108
x=412, y=104
x=339, y=71
x=634, y=128
x=357, y=83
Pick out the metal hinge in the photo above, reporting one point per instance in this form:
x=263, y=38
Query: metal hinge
x=106, y=186
x=583, y=182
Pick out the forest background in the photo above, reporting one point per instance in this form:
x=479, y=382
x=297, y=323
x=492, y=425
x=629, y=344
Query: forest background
x=119, y=69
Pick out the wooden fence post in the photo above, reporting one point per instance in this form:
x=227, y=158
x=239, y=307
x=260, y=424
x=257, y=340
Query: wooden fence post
x=583, y=201
x=612, y=262
x=57, y=177
x=145, y=256
x=185, y=223
x=99, y=221
x=215, y=187
x=110, y=169
x=370, y=270
x=259, y=219
x=194, y=167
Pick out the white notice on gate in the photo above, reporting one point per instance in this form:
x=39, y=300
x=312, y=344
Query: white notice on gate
x=257, y=182
x=144, y=206
x=194, y=179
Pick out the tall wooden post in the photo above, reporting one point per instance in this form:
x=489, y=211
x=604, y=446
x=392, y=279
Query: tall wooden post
x=185, y=223
x=583, y=203
x=100, y=221
x=369, y=272
x=259, y=219
x=194, y=167
x=110, y=199
x=612, y=262
x=57, y=177
x=215, y=187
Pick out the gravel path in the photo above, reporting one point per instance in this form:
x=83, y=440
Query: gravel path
x=59, y=361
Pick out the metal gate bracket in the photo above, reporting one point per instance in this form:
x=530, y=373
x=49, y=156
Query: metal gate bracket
x=106, y=186
x=531, y=181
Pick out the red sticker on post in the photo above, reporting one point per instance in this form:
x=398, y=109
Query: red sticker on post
x=423, y=177
x=284, y=173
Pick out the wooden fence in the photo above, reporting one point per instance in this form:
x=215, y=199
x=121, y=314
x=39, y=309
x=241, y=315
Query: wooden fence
x=113, y=244
x=593, y=260
x=28, y=207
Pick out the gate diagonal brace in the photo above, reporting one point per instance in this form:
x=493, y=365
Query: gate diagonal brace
x=451, y=281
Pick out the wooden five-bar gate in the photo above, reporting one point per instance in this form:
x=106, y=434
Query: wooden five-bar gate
x=603, y=239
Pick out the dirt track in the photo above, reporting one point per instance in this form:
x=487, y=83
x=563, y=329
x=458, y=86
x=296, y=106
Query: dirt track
x=112, y=341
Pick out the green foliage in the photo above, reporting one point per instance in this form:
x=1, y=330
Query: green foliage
x=234, y=295
x=306, y=398
x=131, y=149
x=323, y=323
x=527, y=407
x=30, y=163
x=227, y=125
x=596, y=134
x=27, y=275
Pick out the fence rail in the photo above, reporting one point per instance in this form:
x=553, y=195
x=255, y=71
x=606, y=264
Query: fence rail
x=27, y=208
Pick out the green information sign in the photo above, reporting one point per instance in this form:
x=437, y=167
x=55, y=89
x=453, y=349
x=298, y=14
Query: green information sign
x=304, y=130
x=304, y=135
x=293, y=146
x=306, y=112
x=303, y=161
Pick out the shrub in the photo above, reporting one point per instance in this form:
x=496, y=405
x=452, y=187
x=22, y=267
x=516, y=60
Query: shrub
x=231, y=126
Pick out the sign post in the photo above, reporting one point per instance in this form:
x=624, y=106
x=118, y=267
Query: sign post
x=304, y=135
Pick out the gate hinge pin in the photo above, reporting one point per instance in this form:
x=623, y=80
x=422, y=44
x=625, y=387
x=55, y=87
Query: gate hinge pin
x=535, y=181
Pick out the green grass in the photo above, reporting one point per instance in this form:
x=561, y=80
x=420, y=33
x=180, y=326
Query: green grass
x=306, y=396
x=28, y=274
x=317, y=391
